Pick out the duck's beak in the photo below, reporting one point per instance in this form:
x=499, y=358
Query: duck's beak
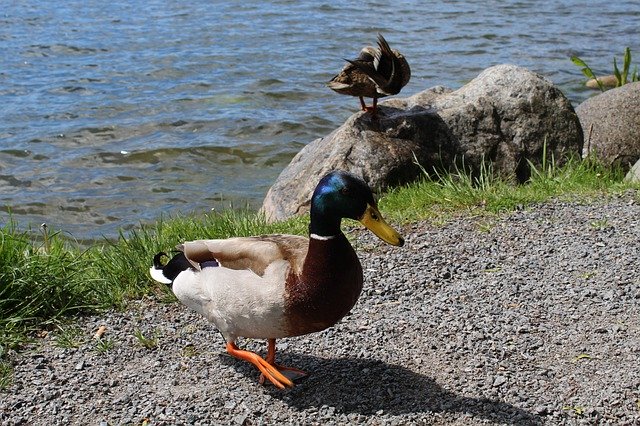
x=373, y=220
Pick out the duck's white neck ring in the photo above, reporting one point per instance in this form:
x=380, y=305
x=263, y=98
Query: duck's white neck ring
x=322, y=237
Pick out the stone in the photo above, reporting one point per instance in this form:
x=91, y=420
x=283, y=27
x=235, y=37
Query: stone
x=606, y=81
x=611, y=125
x=499, y=381
x=505, y=118
x=634, y=174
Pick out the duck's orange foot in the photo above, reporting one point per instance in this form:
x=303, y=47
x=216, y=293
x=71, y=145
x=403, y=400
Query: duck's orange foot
x=269, y=371
x=290, y=373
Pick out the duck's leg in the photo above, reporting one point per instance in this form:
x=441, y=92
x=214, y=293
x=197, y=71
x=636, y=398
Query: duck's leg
x=362, y=104
x=267, y=370
x=271, y=359
x=372, y=109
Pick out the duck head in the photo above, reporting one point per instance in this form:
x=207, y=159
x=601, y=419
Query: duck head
x=343, y=195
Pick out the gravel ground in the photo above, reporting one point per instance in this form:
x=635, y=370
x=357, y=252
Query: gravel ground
x=532, y=317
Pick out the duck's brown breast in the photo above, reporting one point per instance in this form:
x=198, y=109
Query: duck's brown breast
x=327, y=288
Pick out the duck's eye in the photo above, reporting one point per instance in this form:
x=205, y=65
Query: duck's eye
x=344, y=191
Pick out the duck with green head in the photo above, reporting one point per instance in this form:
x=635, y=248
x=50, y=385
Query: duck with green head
x=275, y=286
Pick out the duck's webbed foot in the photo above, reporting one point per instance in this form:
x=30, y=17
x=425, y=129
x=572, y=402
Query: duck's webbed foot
x=289, y=372
x=269, y=371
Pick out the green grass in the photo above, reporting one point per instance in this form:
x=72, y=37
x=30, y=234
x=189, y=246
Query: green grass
x=68, y=336
x=457, y=193
x=103, y=345
x=46, y=279
x=6, y=375
x=41, y=281
x=144, y=341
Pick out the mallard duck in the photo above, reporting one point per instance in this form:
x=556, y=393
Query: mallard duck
x=275, y=286
x=374, y=74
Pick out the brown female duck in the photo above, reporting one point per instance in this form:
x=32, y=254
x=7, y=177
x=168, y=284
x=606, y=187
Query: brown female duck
x=376, y=73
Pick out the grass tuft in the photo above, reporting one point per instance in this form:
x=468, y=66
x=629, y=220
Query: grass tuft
x=40, y=284
x=144, y=341
x=69, y=336
x=103, y=345
x=463, y=192
x=6, y=375
x=622, y=77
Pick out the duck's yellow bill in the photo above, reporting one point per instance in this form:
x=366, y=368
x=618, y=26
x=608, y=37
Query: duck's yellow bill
x=373, y=220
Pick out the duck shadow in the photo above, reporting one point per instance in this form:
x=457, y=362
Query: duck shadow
x=366, y=386
x=390, y=117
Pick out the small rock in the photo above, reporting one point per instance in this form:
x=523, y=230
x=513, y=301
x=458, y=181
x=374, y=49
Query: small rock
x=541, y=410
x=499, y=381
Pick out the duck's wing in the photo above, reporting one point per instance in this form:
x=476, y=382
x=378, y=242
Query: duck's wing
x=367, y=64
x=393, y=67
x=385, y=63
x=404, y=68
x=380, y=68
x=389, y=70
x=254, y=253
x=351, y=74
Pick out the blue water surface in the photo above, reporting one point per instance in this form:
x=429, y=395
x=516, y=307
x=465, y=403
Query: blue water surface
x=114, y=113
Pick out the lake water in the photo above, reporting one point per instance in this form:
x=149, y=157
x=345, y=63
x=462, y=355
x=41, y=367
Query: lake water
x=114, y=113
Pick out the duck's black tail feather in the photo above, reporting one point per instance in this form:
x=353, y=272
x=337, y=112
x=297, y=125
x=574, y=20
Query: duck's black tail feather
x=167, y=273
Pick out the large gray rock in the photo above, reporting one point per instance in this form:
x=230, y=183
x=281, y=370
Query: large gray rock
x=611, y=125
x=382, y=151
x=502, y=118
x=508, y=116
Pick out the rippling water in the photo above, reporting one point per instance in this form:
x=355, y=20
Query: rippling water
x=114, y=113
